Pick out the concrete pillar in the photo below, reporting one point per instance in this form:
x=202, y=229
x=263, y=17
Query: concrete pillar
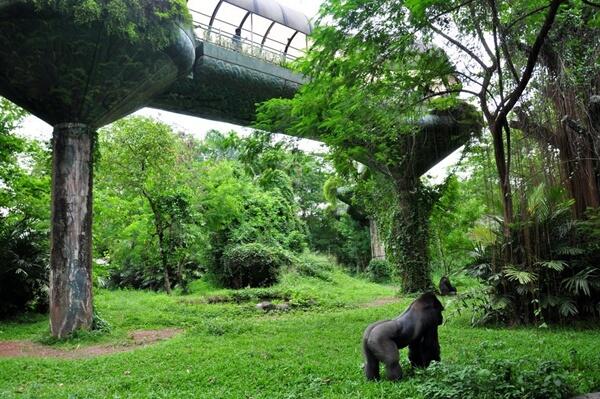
x=71, y=230
x=377, y=246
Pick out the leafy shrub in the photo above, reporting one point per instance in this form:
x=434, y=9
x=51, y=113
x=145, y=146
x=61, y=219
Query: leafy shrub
x=296, y=241
x=295, y=299
x=311, y=265
x=495, y=379
x=251, y=265
x=24, y=268
x=261, y=294
x=379, y=270
x=100, y=324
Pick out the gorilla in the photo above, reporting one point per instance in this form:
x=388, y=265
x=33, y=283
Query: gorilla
x=415, y=328
x=446, y=288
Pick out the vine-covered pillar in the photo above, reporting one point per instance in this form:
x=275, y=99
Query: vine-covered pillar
x=377, y=247
x=71, y=230
x=409, y=241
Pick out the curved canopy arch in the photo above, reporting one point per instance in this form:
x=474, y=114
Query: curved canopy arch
x=263, y=26
x=272, y=10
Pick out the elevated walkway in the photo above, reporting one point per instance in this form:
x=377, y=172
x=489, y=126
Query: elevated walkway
x=242, y=50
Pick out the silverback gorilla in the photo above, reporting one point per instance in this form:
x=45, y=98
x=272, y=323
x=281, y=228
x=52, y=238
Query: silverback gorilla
x=415, y=328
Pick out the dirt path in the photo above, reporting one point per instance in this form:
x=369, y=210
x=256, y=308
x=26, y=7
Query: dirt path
x=381, y=302
x=137, y=339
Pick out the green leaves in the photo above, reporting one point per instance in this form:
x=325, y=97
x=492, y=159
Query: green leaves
x=520, y=276
x=135, y=20
x=418, y=8
x=583, y=281
x=147, y=191
x=556, y=265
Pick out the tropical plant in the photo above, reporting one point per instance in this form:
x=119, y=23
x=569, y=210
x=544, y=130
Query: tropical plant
x=552, y=275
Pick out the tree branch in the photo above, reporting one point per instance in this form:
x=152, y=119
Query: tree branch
x=531, y=61
x=481, y=36
x=521, y=18
x=442, y=93
x=589, y=3
x=461, y=46
x=452, y=9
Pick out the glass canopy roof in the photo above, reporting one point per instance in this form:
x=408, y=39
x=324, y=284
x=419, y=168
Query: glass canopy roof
x=266, y=28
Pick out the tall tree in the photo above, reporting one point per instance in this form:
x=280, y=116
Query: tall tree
x=141, y=158
x=564, y=110
x=368, y=98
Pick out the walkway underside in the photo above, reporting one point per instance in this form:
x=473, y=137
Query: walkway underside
x=226, y=86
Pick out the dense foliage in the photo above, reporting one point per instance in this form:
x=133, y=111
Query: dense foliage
x=368, y=97
x=376, y=65
x=24, y=218
x=169, y=207
x=146, y=221
x=145, y=21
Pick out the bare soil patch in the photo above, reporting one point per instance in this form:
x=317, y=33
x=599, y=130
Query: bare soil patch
x=137, y=339
x=381, y=302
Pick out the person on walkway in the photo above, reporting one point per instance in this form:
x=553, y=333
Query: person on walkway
x=237, y=39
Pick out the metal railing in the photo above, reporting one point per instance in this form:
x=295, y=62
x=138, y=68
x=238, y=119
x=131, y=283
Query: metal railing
x=241, y=44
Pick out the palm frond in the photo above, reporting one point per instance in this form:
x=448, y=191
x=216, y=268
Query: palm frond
x=568, y=308
x=537, y=205
x=557, y=265
x=567, y=250
x=581, y=282
x=521, y=276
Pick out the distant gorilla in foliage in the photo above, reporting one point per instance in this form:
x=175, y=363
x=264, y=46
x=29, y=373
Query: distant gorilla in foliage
x=415, y=328
x=446, y=288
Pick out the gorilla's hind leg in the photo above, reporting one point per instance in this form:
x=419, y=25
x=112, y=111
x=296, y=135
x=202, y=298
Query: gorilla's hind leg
x=389, y=355
x=371, y=365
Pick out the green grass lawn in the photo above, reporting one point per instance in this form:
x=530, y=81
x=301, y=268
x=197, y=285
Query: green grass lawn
x=231, y=350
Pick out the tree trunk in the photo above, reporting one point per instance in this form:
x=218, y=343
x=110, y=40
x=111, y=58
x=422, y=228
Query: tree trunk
x=163, y=258
x=504, y=175
x=409, y=241
x=71, y=231
x=377, y=247
x=158, y=225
